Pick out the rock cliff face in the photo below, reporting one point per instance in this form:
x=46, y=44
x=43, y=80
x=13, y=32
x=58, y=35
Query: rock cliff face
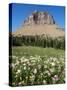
x=39, y=23
x=39, y=18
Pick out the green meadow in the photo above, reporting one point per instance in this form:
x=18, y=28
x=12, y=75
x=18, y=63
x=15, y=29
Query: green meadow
x=31, y=51
x=32, y=65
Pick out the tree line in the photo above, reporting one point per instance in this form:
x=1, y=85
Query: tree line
x=41, y=41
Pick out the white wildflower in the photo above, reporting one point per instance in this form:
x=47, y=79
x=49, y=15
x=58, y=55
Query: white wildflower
x=22, y=59
x=35, y=71
x=54, y=59
x=20, y=78
x=51, y=58
x=38, y=60
x=53, y=64
x=28, y=68
x=56, y=77
x=17, y=62
x=39, y=66
x=47, y=72
x=33, y=61
x=24, y=67
x=14, y=57
x=45, y=66
x=25, y=60
x=32, y=58
x=13, y=65
x=13, y=83
x=41, y=74
x=18, y=71
x=28, y=62
x=32, y=77
x=53, y=80
x=24, y=64
x=26, y=77
x=16, y=76
x=44, y=81
x=52, y=70
x=20, y=83
x=23, y=82
x=57, y=62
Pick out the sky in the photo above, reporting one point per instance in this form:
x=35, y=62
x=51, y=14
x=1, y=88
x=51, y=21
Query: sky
x=21, y=11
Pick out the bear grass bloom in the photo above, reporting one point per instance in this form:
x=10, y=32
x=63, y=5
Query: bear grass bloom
x=18, y=71
x=44, y=82
x=37, y=69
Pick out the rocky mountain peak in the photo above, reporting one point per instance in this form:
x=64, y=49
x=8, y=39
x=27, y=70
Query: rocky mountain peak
x=38, y=17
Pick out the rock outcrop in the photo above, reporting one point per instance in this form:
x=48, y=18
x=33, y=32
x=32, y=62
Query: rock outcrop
x=39, y=18
x=40, y=23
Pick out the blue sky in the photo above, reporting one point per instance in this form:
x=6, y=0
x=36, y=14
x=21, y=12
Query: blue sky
x=21, y=11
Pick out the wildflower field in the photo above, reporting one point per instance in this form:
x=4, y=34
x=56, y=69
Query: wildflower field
x=36, y=66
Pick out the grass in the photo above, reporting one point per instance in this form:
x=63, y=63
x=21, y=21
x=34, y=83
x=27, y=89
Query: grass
x=36, y=66
x=32, y=51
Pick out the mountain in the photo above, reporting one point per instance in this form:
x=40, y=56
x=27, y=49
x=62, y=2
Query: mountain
x=39, y=23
